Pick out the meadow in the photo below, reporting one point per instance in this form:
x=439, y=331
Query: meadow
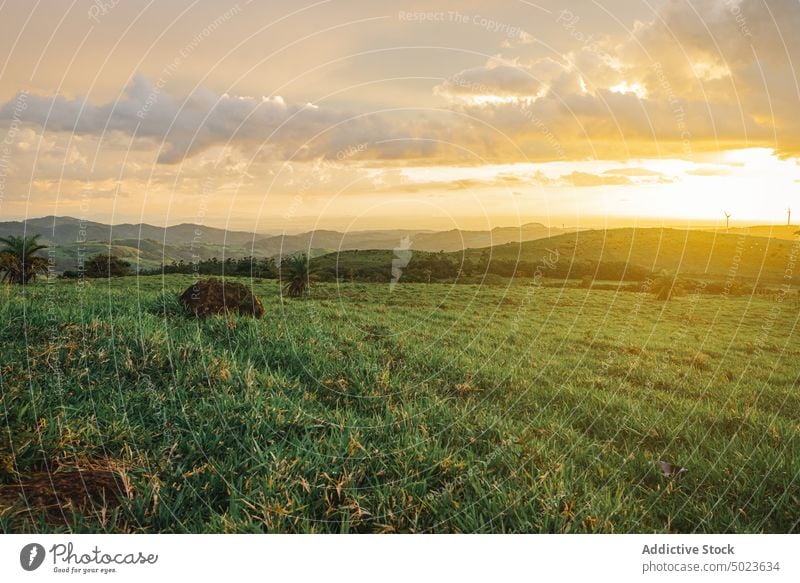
x=413, y=408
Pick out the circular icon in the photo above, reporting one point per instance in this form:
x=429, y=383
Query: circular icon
x=31, y=556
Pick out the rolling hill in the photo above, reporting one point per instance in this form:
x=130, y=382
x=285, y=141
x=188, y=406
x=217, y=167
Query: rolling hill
x=692, y=253
x=738, y=253
x=149, y=246
x=788, y=232
x=69, y=230
x=697, y=254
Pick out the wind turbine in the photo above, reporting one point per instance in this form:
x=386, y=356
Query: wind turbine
x=789, y=217
x=727, y=219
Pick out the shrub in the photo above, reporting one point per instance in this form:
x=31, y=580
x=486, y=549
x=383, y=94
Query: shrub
x=102, y=265
x=667, y=286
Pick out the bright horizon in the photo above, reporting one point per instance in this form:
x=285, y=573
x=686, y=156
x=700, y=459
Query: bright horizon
x=437, y=115
x=351, y=224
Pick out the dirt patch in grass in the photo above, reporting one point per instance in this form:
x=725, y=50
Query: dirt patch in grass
x=92, y=488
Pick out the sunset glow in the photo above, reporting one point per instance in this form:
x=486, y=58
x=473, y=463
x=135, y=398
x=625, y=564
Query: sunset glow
x=282, y=117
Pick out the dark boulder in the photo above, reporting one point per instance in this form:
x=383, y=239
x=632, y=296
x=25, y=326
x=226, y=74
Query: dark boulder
x=212, y=296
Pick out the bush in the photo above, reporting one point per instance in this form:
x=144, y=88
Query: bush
x=102, y=265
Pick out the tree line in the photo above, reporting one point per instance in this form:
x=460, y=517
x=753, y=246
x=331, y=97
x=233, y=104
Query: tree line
x=20, y=264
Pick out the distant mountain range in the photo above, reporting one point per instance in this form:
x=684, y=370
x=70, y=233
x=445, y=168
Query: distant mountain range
x=760, y=251
x=150, y=246
x=68, y=231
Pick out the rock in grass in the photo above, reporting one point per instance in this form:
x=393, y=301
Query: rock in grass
x=671, y=470
x=212, y=296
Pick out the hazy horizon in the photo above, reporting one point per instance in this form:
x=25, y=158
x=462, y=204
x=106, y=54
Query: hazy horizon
x=391, y=224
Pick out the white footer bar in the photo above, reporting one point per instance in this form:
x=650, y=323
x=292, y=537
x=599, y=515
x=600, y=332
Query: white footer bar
x=355, y=558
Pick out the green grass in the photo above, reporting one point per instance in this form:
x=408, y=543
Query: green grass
x=428, y=408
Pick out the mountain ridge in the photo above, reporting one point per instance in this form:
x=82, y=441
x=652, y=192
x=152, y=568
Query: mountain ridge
x=149, y=245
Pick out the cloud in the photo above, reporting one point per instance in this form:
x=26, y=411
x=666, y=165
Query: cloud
x=720, y=74
x=684, y=82
x=263, y=128
x=585, y=179
x=641, y=175
x=501, y=180
x=494, y=80
x=632, y=172
x=709, y=171
x=184, y=127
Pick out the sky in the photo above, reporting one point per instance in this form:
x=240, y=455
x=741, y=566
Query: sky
x=341, y=114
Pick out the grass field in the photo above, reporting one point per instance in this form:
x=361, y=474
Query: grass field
x=425, y=408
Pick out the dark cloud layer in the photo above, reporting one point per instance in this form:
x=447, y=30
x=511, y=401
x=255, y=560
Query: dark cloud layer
x=716, y=74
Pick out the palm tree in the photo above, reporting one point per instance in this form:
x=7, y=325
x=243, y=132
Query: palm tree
x=296, y=275
x=18, y=263
x=667, y=286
